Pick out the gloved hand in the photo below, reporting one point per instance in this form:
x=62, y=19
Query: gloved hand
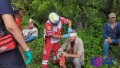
x=28, y=57
x=69, y=30
x=65, y=36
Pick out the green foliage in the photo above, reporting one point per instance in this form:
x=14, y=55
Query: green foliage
x=88, y=17
x=24, y=22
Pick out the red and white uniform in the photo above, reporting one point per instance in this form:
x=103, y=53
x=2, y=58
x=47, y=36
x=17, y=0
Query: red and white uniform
x=50, y=42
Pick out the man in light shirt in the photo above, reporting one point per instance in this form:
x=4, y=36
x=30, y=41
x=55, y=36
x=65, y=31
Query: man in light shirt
x=73, y=50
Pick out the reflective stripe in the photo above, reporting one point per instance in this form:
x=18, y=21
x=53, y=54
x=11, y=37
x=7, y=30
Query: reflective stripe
x=50, y=34
x=49, y=31
x=45, y=62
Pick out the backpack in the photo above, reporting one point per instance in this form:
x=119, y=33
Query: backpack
x=7, y=41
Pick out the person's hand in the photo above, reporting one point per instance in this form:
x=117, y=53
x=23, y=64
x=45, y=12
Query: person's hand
x=65, y=36
x=62, y=60
x=28, y=57
x=64, y=54
x=58, y=54
x=69, y=30
x=109, y=40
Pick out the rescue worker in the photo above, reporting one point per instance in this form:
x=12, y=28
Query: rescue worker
x=52, y=36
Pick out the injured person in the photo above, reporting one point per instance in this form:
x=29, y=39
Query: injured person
x=71, y=50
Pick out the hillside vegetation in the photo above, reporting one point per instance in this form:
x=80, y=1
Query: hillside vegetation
x=88, y=17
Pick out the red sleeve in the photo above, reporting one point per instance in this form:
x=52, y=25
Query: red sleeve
x=18, y=23
x=48, y=29
x=64, y=20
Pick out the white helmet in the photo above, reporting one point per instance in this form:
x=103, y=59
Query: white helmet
x=54, y=18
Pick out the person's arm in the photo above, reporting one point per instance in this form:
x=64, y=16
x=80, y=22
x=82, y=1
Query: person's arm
x=56, y=36
x=105, y=36
x=32, y=32
x=69, y=23
x=49, y=31
x=73, y=55
x=70, y=55
x=80, y=50
x=64, y=45
x=66, y=21
x=62, y=48
x=13, y=29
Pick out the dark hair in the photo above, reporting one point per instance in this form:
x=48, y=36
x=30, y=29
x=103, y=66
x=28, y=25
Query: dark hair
x=17, y=11
x=35, y=25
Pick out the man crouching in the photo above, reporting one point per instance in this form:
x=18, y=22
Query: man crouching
x=73, y=50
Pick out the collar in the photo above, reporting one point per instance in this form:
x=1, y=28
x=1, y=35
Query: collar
x=115, y=23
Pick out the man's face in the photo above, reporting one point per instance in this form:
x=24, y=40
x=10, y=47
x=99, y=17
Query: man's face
x=30, y=24
x=56, y=24
x=112, y=20
x=72, y=38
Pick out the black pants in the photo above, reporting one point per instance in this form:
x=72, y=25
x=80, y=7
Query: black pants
x=11, y=59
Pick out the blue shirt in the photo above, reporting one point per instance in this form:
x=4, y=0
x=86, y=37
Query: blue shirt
x=114, y=33
x=5, y=7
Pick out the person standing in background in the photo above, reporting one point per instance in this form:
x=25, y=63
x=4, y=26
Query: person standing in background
x=12, y=58
x=18, y=15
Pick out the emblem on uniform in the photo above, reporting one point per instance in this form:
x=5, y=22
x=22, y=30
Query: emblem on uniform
x=49, y=27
